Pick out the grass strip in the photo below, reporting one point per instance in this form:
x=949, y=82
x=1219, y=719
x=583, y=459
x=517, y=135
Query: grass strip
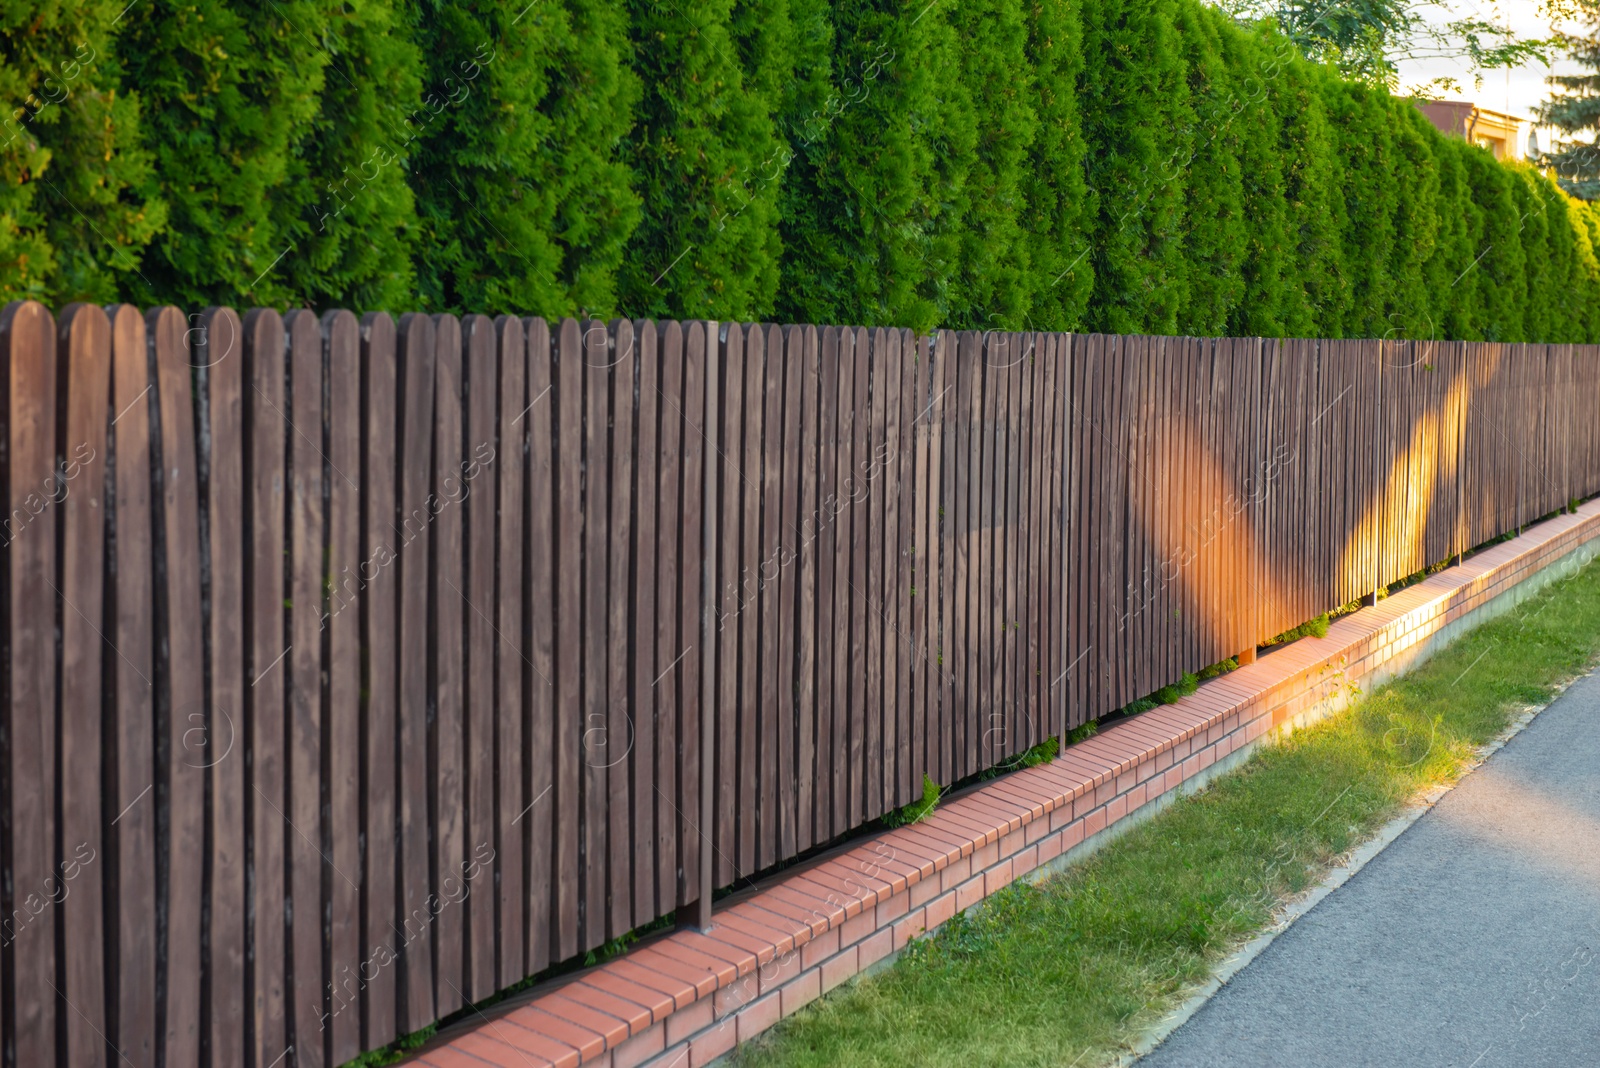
x=1068, y=971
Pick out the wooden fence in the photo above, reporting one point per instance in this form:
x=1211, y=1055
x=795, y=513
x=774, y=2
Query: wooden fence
x=358, y=669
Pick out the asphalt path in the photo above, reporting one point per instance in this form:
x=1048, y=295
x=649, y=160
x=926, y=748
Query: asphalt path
x=1472, y=941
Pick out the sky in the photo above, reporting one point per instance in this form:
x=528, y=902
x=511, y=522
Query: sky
x=1515, y=91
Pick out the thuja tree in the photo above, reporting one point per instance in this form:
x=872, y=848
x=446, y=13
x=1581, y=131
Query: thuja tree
x=707, y=160
x=1139, y=129
x=867, y=244
x=357, y=228
x=1055, y=199
x=524, y=202
x=229, y=100
x=75, y=211
x=991, y=121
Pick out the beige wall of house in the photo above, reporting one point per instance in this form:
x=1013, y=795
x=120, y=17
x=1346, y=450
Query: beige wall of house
x=1504, y=135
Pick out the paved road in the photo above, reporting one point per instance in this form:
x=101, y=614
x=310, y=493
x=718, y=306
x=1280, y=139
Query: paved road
x=1473, y=941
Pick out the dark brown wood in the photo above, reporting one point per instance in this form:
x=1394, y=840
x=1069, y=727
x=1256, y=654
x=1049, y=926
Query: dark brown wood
x=219, y=360
x=301, y=806
x=750, y=582
x=725, y=608
x=596, y=611
x=670, y=650
x=83, y=372
x=804, y=341
x=341, y=739
x=888, y=453
x=414, y=440
x=693, y=831
x=847, y=722
x=508, y=477
x=787, y=673
x=825, y=548
x=919, y=591
x=28, y=343
x=373, y=997
x=180, y=681
x=543, y=817
x=771, y=478
x=443, y=513
x=472, y=884
x=647, y=806
x=267, y=646
x=620, y=714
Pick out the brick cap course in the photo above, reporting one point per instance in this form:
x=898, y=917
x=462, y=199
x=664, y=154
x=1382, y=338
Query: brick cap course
x=759, y=941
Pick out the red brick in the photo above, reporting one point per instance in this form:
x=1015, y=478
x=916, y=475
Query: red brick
x=730, y=999
x=1116, y=808
x=855, y=930
x=911, y=926
x=1025, y=861
x=820, y=948
x=780, y=971
x=895, y=907
x=801, y=991
x=997, y=877
x=955, y=874
x=640, y=1048
x=940, y=909
x=969, y=893
x=709, y=1045
x=986, y=856
x=1094, y=822
x=925, y=891
x=1049, y=849
x=759, y=1015
x=685, y=1022
x=1011, y=843
x=871, y=950
x=837, y=969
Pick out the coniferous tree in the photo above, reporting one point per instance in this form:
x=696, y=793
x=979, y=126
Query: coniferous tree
x=1056, y=202
x=358, y=227
x=990, y=122
x=229, y=101
x=1139, y=133
x=708, y=163
x=1575, y=110
x=74, y=212
x=877, y=252
x=524, y=203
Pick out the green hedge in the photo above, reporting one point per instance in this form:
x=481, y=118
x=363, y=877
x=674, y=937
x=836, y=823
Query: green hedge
x=1117, y=165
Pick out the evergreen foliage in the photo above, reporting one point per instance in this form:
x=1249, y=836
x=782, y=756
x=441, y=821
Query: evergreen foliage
x=1134, y=166
x=74, y=219
x=524, y=200
x=1575, y=108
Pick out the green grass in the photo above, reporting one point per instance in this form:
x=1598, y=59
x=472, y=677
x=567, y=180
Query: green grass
x=1065, y=972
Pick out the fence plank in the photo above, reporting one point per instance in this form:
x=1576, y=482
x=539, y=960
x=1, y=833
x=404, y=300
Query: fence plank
x=83, y=368
x=267, y=643
x=620, y=714
x=825, y=547
x=301, y=807
x=27, y=339
x=179, y=680
x=414, y=437
x=543, y=816
x=749, y=578
x=219, y=361
x=376, y=982
x=669, y=649
x=692, y=835
x=508, y=477
x=340, y=618
x=804, y=339
x=476, y=478
x=725, y=608
x=444, y=516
